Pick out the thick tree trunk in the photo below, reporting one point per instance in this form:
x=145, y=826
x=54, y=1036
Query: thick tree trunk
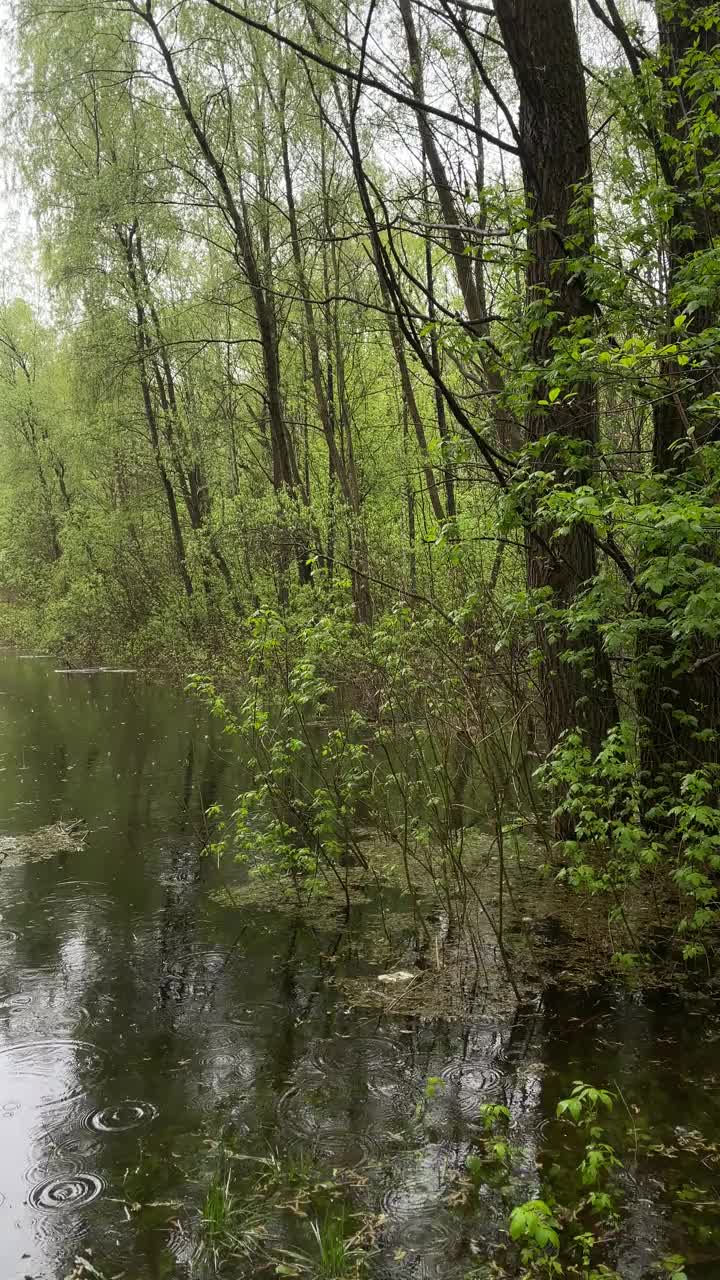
x=541, y=42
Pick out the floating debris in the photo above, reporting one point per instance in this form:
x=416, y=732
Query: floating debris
x=59, y=837
x=94, y=671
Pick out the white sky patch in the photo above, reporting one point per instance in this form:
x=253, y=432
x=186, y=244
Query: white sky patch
x=20, y=273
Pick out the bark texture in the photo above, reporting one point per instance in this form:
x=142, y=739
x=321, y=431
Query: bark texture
x=541, y=42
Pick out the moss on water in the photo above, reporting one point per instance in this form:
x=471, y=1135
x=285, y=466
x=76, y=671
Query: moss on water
x=45, y=842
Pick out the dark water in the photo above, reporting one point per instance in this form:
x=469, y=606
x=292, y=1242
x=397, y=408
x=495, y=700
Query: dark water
x=142, y=1023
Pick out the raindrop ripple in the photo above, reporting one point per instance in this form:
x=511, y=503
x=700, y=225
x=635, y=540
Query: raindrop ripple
x=66, y=1193
x=121, y=1116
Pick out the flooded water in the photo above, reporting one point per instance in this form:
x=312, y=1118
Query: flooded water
x=144, y=1025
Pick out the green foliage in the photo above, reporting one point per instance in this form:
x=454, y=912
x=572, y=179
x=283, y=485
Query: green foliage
x=584, y=1104
x=626, y=830
x=303, y=814
x=543, y=1228
x=572, y=1221
x=230, y=1228
x=417, y=542
x=334, y=1255
x=432, y=1086
x=493, y=1114
x=533, y=1222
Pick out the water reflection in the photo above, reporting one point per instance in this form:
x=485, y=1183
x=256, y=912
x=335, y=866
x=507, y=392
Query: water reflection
x=141, y=1022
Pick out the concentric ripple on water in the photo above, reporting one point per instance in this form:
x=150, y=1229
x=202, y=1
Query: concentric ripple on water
x=121, y=1116
x=417, y=1218
x=10, y=1004
x=312, y=1131
x=468, y=1084
x=336, y=1148
x=66, y=1193
x=44, y=1073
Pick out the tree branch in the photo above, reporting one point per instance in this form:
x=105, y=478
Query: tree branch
x=359, y=78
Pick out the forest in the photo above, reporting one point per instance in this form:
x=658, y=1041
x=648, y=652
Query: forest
x=360, y=380
x=387, y=344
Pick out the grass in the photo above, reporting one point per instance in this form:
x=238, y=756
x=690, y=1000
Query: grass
x=281, y=1171
x=230, y=1228
x=337, y=1255
x=333, y=1255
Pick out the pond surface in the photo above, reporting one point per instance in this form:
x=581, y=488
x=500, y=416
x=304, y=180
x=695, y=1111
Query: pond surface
x=142, y=1023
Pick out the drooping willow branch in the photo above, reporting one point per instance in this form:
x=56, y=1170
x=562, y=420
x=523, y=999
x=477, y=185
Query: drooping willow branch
x=361, y=78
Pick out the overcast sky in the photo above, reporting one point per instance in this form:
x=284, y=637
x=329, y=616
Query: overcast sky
x=18, y=273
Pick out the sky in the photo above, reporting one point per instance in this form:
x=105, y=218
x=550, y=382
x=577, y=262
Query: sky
x=18, y=265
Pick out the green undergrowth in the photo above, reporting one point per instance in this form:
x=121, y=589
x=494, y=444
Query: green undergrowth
x=553, y=934
x=557, y=1206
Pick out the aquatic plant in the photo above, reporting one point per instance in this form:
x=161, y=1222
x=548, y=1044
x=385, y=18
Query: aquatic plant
x=415, y=772
x=488, y=1165
x=230, y=1227
x=563, y=1235
x=337, y=1255
x=334, y=1254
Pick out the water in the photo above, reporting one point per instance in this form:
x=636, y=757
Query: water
x=141, y=1021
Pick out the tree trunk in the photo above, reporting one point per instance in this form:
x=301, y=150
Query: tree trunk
x=185, y=452
x=143, y=349
x=443, y=430
x=284, y=462
x=340, y=468
x=466, y=251
x=541, y=42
